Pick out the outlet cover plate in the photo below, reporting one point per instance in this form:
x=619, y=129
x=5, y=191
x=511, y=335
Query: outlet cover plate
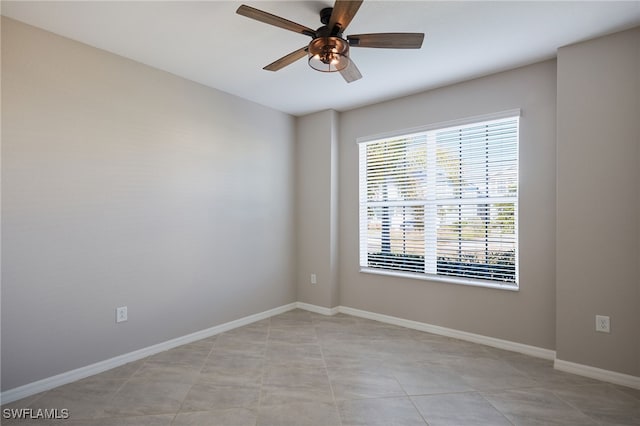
x=603, y=324
x=121, y=314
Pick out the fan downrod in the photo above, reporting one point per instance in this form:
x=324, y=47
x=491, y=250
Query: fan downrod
x=325, y=15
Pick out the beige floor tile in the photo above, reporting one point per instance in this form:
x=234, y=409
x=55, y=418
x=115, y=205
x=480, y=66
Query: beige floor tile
x=153, y=420
x=249, y=333
x=224, y=417
x=238, y=346
x=283, y=385
x=222, y=359
x=603, y=403
x=304, y=368
x=307, y=355
x=487, y=374
x=299, y=414
x=542, y=371
x=430, y=378
x=629, y=391
x=204, y=396
x=293, y=335
x=181, y=373
x=359, y=383
x=295, y=319
x=458, y=409
x=339, y=321
x=382, y=411
x=536, y=407
x=146, y=396
x=251, y=375
x=352, y=355
x=83, y=399
x=181, y=356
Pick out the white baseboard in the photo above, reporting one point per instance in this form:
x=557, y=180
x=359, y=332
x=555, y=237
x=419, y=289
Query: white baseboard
x=457, y=334
x=317, y=309
x=566, y=366
x=99, y=367
x=435, y=329
x=597, y=373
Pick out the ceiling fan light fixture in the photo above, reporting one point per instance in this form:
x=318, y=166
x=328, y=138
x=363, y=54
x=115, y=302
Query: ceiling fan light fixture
x=328, y=50
x=328, y=54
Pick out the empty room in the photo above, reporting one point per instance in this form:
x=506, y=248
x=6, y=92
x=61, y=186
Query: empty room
x=320, y=213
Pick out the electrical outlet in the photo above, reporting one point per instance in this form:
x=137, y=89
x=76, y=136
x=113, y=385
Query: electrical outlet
x=603, y=324
x=314, y=279
x=121, y=314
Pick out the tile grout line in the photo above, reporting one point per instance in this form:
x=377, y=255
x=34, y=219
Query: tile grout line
x=410, y=399
x=196, y=379
x=326, y=370
x=595, y=421
x=495, y=408
x=264, y=370
x=112, y=396
x=418, y=411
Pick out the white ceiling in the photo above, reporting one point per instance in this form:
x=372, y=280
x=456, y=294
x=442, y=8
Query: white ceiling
x=209, y=43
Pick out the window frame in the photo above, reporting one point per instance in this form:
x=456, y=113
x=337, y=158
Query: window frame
x=362, y=204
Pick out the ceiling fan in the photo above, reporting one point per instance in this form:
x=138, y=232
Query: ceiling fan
x=328, y=50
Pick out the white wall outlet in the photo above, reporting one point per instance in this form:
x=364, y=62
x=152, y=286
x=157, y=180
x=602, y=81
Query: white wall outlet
x=603, y=324
x=121, y=314
x=314, y=279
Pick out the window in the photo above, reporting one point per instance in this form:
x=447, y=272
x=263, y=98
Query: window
x=442, y=202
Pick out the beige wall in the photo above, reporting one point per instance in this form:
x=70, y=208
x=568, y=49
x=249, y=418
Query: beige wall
x=527, y=316
x=125, y=185
x=316, y=208
x=598, y=207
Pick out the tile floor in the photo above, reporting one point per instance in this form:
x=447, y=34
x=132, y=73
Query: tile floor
x=301, y=368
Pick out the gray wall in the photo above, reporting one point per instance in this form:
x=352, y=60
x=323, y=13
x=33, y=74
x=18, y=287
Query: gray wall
x=527, y=316
x=598, y=207
x=317, y=209
x=125, y=185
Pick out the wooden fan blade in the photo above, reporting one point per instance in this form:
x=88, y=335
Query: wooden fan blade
x=268, y=18
x=343, y=13
x=387, y=40
x=351, y=73
x=287, y=60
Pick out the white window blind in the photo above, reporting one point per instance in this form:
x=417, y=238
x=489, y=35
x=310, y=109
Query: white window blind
x=442, y=202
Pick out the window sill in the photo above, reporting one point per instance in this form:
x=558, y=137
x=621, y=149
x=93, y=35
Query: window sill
x=438, y=278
